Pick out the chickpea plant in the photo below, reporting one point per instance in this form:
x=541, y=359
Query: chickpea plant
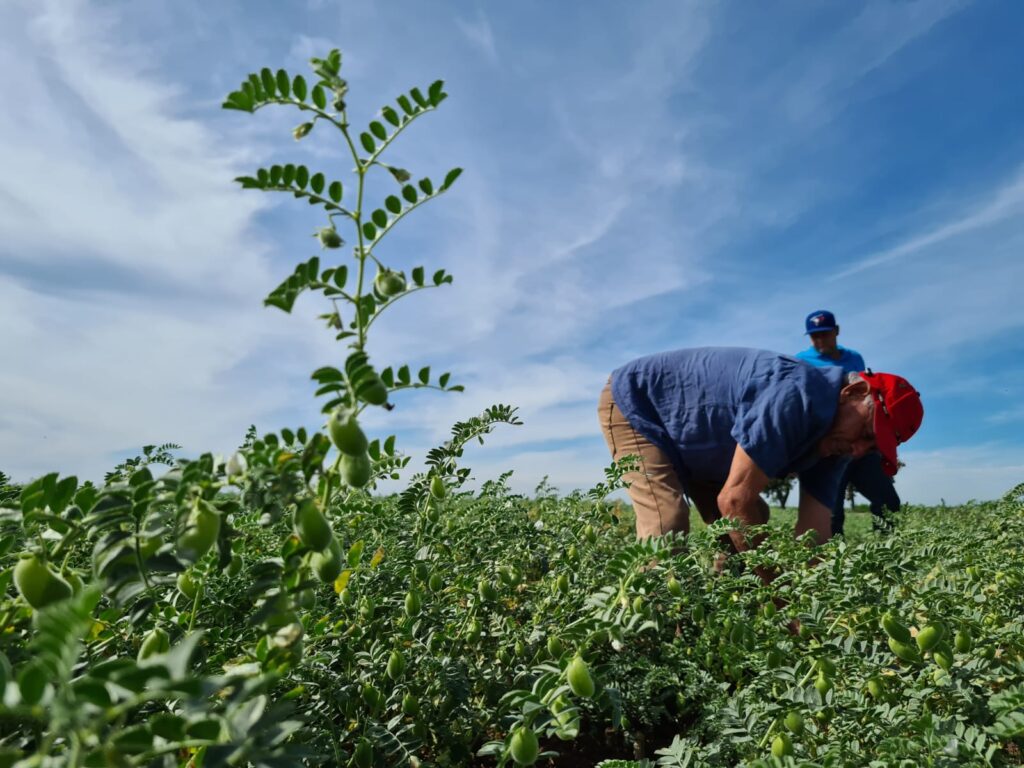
x=162, y=620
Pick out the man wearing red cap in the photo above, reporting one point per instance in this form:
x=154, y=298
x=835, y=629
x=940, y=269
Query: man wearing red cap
x=715, y=424
x=866, y=473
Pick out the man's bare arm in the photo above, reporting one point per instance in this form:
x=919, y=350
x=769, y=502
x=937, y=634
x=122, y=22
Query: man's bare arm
x=740, y=497
x=813, y=516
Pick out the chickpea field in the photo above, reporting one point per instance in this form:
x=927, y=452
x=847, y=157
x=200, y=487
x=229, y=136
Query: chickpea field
x=275, y=608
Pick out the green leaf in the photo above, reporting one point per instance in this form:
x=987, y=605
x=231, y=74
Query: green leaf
x=424, y=375
x=263, y=176
x=417, y=276
x=299, y=87
x=133, y=740
x=393, y=204
x=257, y=87
x=207, y=730
x=335, y=191
x=268, y=82
x=409, y=193
x=367, y=142
x=319, y=97
x=316, y=183
x=167, y=726
x=439, y=277
x=275, y=175
x=284, y=83
x=355, y=554
x=35, y=494
x=378, y=130
x=92, y=691
x=418, y=98
x=369, y=231
x=301, y=176
x=404, y=377
x=86, y=497
x=436, y=92
x=340, y=276
x=453, y=174
x=443, y=379
x=380, y=218
x=427, y=186
x=287, y=435
x=391, y=116
x=326, y=374
x=238, y=100
x=388, y=377
x=289, y=175
x=32, y=682
x=406, y=105
x=62, y=494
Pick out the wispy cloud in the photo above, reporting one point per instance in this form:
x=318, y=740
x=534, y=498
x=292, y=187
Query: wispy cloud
x=1007, y=201
x=480, y=34
x=639, y=178
x=129, y=275
x=1007, y=416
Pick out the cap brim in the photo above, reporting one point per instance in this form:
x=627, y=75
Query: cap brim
x=885, y=440
x=821, y=330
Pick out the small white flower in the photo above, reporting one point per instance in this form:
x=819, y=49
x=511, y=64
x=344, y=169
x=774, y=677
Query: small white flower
x=617, y=645
x=539, y=525
x=235, y=465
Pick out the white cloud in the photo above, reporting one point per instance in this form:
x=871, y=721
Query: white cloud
x=593, y=223
x=479, y=33
x=130, y=301
x=959, y=473
x=1004, y=202
x=868, y=42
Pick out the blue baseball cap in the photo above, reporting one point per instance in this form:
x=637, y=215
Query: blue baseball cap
x=820, y=320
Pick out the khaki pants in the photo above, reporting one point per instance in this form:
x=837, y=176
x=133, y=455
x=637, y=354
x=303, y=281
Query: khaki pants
x=656, y=490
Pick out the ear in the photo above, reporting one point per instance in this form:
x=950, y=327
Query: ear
x=858, y=389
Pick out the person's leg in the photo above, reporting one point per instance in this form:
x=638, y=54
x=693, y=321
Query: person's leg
x=705, y=497
x=877, y=487
x=655, y=490
x=839, y=507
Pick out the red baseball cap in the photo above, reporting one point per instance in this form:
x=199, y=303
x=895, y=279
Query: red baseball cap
x=898, y=414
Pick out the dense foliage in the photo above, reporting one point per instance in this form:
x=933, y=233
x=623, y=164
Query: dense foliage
x=271, y=610
x=442, y=639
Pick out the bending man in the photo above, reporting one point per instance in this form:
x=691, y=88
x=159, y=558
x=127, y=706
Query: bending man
x=715, y=424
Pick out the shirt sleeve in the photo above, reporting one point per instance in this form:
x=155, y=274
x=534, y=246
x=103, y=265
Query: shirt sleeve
x=773, y=428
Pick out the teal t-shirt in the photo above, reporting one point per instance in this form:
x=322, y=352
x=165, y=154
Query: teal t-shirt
x=696, y=405
x=849, y=360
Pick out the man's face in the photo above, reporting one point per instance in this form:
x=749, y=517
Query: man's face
x=825, y=341
x=853, y=430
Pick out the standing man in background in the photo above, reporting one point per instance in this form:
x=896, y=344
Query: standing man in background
x=866, y=473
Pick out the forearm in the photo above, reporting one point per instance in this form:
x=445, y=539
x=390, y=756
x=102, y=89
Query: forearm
x=747, y=509
x=813, y=516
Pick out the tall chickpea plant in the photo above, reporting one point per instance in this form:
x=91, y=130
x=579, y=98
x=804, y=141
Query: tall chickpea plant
x=360, y=286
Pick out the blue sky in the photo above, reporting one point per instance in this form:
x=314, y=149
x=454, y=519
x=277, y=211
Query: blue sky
x=639, y=177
